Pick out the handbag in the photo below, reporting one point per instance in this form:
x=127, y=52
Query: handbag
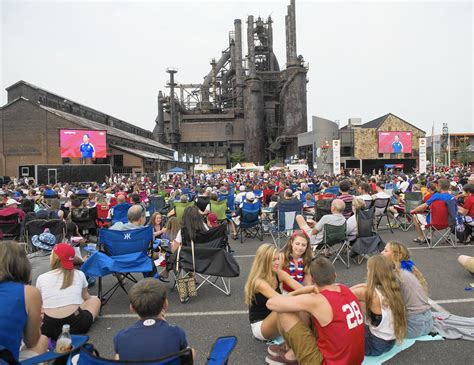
x=186, y=285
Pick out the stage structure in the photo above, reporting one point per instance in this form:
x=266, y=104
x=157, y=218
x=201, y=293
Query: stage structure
x=249, y=107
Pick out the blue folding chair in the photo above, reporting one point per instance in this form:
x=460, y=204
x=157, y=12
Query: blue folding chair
x=120, y=212
x=286, y=222
x=250, y=222
x=221, y=350
x=122, y=253
x=77, y=341
x=89, y=356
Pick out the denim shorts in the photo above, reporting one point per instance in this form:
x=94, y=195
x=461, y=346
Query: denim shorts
x=419, y=324
x=375, y=346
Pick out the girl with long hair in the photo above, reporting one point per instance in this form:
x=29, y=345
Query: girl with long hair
x=385, y=309
x=414, y=289
x=66, y=299
x=262, y=284
x=156, y=221
x=297, y=256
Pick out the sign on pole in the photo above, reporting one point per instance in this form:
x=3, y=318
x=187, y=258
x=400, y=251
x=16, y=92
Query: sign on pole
x=422, y=151
x=336, y=156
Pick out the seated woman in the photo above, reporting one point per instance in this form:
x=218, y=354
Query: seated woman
x=385, y=309
x=156, y=221
x=262, y=284
x=66, y=299
x=20, y=305
x=351, y=225
x=297, y=256
x=414, y=290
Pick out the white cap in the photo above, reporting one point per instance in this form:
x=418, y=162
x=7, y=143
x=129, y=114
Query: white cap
x=250, y=196
x=11, y=202
x=242, y=188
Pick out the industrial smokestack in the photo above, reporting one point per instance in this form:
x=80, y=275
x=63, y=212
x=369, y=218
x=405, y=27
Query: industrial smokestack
x=160, y=119
x=238, y=62
x=251, y=47
x=290, y=23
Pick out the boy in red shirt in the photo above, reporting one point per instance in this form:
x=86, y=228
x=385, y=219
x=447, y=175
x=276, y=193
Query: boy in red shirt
x=336, y=314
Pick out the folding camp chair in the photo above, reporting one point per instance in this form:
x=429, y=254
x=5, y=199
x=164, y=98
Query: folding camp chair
x=202, y=202
x=381, y=206
x=37, y=226
x=347, y=209
x=102, y=220
x=219, y=208
x=412, y=200
x=441, y=221
x=250, y=223
x=122, y=253
x=158, y=204
x=213, y=263
x=323, y=207
x=367, y=242
x=179, y=209
x=10, y=225
x=120, y=213
x=48, y=357
x=333, y=235
x=221, y=350
x=286, y=223
x=88, y=355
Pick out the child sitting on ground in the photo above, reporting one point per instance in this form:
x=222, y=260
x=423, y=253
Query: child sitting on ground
x=151, y=337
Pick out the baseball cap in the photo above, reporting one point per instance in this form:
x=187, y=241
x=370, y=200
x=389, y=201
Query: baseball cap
x=242, y=188
x=66, y=255
x=10, y=202
x=250, y=196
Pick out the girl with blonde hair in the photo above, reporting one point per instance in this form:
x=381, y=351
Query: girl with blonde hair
x=262, y=284
x=297, y=256
x=66, y=299
x=414, y=290
x=385, y=309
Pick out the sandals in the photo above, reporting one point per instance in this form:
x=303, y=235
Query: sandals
x=417, y=240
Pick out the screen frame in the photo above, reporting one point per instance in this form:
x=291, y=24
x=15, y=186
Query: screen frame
x=403, y=152
x=81, y=129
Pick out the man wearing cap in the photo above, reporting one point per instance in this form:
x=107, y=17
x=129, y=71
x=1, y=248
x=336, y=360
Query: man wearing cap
x=240, y=196
x=11, y=207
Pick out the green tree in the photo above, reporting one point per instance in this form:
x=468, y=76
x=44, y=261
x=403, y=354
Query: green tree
x=237, y=157
x=464, y=154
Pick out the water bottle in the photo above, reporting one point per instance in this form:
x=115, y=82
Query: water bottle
x=64, y=342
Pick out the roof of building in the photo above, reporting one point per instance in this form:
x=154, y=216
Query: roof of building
x=71, y=101
x=376, y=123
x=143, y=154
x=87, y=123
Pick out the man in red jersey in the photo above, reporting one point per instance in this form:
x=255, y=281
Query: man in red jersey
x=336, y=316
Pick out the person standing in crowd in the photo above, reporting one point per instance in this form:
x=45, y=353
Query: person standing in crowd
x=20, y=305
x=66, y=299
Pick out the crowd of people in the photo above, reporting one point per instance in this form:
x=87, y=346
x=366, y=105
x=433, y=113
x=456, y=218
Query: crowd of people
x=289, y=292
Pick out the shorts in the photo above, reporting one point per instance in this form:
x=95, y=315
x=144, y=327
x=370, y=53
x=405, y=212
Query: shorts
x=302, y=341
x=257, y=330
x=375, y=346
x=419, y=324
x=422, y=219
x=309, y=233
x=80, y=322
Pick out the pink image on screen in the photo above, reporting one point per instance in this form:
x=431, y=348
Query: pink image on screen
x=82, y=143
x=395, y=142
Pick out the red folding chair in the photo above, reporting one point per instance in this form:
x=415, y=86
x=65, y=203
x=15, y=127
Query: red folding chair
x=439, y=222
x=102, y=213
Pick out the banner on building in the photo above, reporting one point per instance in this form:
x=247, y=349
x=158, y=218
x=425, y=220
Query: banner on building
x=336, y=156
x=175, y=156
x=422, y=151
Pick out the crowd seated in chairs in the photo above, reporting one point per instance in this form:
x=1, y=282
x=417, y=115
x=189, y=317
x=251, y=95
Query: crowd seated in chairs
x=248, y=222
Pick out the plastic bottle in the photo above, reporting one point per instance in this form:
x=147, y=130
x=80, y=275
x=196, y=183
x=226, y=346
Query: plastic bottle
x=64, y=342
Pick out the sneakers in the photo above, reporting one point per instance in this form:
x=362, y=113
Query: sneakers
x=275, y=350
x=279, y=360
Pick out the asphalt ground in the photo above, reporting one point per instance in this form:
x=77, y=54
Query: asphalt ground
x=212, y=314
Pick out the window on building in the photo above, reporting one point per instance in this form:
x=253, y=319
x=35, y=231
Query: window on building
x=118, y=160
x=381, y=155
x=203, y=144
x=220, y=144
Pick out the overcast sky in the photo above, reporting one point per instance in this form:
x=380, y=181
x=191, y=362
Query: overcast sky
x=411, y=58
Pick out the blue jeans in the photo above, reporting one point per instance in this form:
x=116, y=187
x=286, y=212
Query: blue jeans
x=419, y=324
x=375, y=346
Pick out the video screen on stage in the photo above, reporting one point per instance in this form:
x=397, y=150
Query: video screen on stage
x=395, y=142
x=82, y=143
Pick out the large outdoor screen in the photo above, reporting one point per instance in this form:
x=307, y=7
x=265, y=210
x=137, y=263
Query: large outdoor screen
x=82, y=143
x=395, y=142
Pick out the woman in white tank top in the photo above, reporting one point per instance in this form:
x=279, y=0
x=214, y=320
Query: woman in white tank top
x=385, y=309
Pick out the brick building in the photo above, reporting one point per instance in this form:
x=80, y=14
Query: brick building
x=29, y=133
x=360, y=143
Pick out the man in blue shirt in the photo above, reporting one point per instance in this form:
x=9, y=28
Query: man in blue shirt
x=87, y=149
x=397, y=146
x=151, y=337
x=442, y=195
